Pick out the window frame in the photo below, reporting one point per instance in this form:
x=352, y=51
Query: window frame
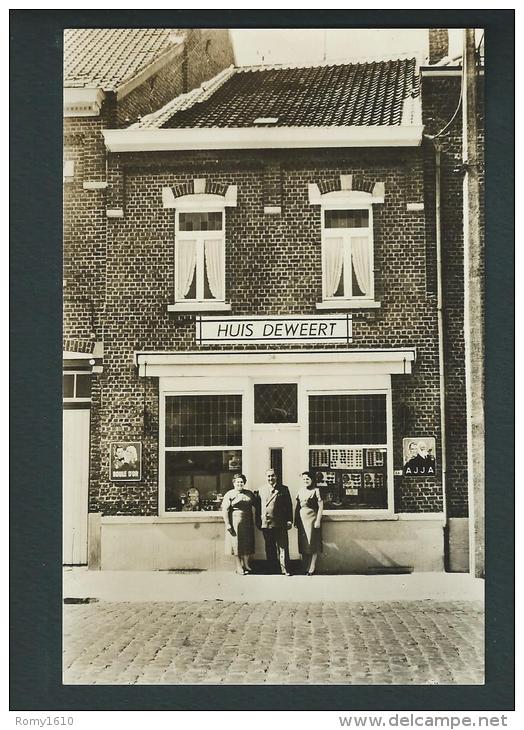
x=163, y=449
x=388, y=511
x=75, y=398
x=347, y=234
x=200, y=237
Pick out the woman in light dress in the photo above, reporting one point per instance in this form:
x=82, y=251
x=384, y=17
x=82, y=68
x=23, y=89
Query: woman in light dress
x=308, y=518
x=237, y=510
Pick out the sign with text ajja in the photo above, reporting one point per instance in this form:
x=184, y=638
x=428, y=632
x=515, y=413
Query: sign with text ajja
x=291, y=328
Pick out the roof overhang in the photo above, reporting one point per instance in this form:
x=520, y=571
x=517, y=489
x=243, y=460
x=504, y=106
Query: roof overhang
x=83, y=102
x=229, y=138
x=445, y=71
x=158, y=364
x=86, y=355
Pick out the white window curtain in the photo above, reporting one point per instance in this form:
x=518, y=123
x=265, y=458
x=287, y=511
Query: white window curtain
x=361, y=263
x=333, y=258
x=214, y=258
x=185, y=266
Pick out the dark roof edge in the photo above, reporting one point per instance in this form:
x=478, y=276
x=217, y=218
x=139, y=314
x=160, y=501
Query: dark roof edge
x=322, y=64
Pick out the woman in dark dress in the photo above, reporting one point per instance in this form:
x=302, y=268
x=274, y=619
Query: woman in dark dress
x=308, y=516
x=237, y=510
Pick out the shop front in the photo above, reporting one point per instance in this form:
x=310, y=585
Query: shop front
x=326, y=411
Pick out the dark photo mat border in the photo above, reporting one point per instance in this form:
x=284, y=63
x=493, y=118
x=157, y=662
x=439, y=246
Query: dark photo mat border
x=35, y=374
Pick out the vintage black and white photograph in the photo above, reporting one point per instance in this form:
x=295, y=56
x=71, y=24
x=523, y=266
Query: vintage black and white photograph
x=273, y=356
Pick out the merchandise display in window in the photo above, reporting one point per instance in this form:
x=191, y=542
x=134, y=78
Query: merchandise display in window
x=348, y=449
x=197, y=480
x=345, y=486
x=201, y=432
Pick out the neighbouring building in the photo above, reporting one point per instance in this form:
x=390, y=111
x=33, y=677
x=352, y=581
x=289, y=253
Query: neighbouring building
x=442, y=88
x=112, y=77
x=256, y=283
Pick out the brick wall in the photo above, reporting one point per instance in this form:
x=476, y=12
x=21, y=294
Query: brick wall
x=208, y=52
x=151, y=95
x=84, y=246
x=84, y=229
x=85, y=223
x=440, y=97
x=273, y=267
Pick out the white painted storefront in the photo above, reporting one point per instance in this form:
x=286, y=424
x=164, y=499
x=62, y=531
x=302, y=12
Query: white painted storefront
x=354, y=540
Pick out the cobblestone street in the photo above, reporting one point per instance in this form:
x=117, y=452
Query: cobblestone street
x=270, y=642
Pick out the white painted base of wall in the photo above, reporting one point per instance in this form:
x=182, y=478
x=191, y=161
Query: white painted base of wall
x=360, y=547
x=458, y=528
x=349, y=547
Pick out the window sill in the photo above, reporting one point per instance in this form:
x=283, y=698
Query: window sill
x=166, y=518
x=199, y=307
x=216, y=516
x=347, y=304
x=345, y=515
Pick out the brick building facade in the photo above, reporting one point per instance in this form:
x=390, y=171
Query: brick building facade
x=215, y=218
x=112, y=77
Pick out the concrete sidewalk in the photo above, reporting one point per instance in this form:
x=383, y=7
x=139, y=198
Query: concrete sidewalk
x=142, y=586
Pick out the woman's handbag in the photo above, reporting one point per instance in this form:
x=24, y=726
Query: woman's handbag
x=230, y=529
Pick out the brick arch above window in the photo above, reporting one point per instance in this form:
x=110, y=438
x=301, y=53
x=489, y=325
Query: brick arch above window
x=199, y=193
x=346, y=186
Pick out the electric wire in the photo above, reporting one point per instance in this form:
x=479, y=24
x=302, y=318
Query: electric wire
x=450, y=122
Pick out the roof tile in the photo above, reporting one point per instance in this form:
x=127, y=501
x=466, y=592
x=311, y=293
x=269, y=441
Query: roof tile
x=326, y=95
x=107, y=57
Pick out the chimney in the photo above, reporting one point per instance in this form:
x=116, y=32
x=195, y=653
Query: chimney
x=438, y=44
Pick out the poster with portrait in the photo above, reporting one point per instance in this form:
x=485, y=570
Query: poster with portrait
x=125, y=464
x=419, y=457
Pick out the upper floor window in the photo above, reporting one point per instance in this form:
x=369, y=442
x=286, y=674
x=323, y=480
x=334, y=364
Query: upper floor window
x=200, y=256
x=347, y=253
x=346, y=220
x=200, y=236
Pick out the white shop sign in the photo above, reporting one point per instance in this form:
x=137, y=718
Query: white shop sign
x=292, y=328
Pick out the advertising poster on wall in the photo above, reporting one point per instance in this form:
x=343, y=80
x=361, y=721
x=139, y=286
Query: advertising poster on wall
x=126, y=461
x=419, y=457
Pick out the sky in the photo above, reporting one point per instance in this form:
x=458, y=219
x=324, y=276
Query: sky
x=312, y=46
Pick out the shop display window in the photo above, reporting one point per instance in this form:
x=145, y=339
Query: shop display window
x=347, y=419
x=197, y=480
x=201, y=433
x=348, y=450
x=203, y=420
x=276, y=402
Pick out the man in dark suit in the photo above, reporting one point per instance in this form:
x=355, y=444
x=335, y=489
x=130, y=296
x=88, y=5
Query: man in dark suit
x=275, y=518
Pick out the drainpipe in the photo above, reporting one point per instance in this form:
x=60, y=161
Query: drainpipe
x=440, y=320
